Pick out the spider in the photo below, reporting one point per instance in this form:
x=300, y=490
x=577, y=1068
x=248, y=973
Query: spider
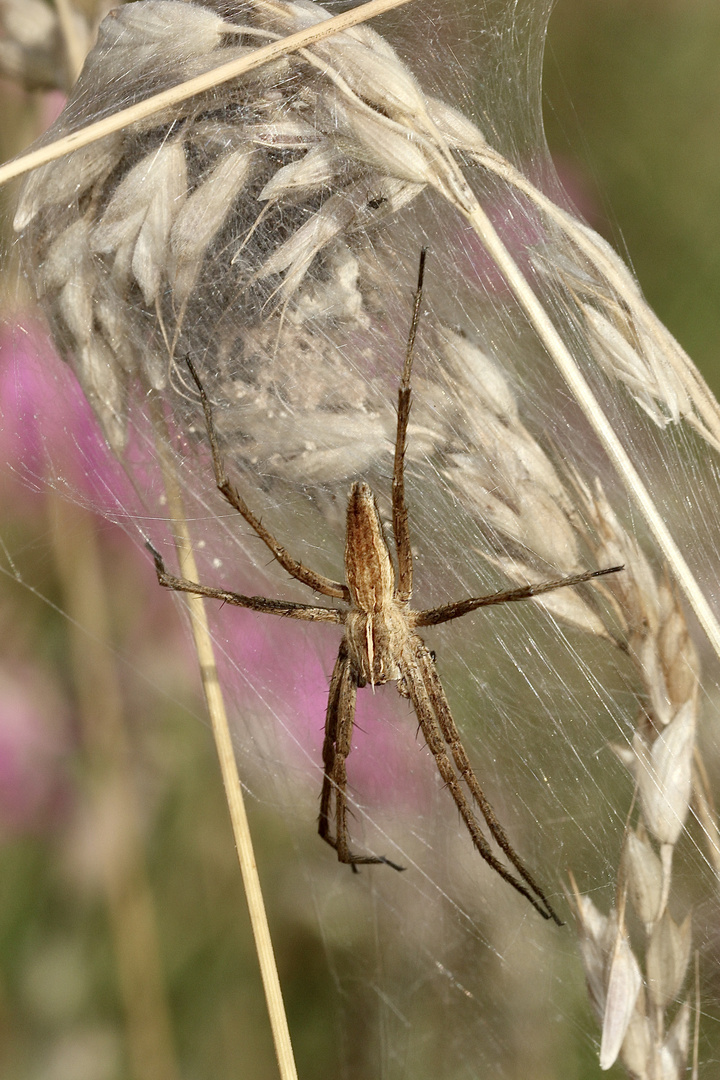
x=380, y=643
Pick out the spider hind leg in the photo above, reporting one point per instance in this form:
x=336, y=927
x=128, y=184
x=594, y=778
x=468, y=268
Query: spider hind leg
x=336, y=747
x=438, y=728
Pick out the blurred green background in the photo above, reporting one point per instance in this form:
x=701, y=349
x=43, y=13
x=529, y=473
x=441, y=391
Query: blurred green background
x=633, y=119
x=633, y=102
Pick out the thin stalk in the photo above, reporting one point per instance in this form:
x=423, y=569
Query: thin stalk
x=129, y=898
x=75, y=44
x=620, y=279
x=198, y=85
x=582, y=391
x=228, y=765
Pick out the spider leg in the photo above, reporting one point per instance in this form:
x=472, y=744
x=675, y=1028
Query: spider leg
x=438, y=728
x=286, y=608
x=336, y=747
x=317, y=582
x=462, y=607
x=452, y=738
x=401, y=530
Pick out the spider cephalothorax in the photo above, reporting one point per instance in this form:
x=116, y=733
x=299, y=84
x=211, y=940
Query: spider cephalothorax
x=377, y=620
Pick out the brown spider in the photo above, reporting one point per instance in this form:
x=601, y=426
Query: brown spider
x=379, y=642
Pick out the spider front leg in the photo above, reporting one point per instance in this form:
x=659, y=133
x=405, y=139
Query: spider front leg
x=317, y=582
x=336, y=747
x=456, y=610
x=288, y=609
x=401, y=528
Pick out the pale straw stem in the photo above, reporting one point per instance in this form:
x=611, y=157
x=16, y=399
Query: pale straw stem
x=228, y=768
x=585, y=240
x=185, y=90
x=570, y=371
x=131, y=910
x=75, y=46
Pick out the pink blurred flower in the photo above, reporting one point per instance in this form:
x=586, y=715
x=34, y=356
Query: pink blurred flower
x=33, y=745
x=291, y=666
x=49, y=432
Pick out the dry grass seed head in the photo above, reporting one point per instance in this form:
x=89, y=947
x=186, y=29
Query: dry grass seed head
x=668, y=956
x=623, y=983
x=161, y=208
x=643, y=873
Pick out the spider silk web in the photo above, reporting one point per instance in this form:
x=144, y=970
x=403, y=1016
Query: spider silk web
x=296, y=312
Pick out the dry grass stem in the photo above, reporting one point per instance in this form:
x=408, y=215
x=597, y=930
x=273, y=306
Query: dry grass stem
x=31, y=48
x=156, y=104
x=671, y=386
x=608, y=436
x=228, y=768
x=75, y=38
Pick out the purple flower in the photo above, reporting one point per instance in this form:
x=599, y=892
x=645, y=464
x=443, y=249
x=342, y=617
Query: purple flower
x=33, y=745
